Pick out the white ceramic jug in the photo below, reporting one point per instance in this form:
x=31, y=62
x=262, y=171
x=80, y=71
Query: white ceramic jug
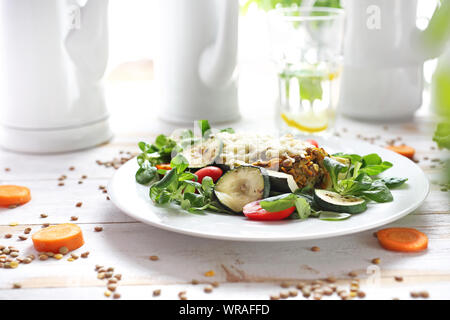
x=384, y=53
x=196, y=60
x=53, y=55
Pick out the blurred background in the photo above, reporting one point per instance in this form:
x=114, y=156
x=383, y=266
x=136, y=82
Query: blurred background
x=133, y=46
x=134, y=33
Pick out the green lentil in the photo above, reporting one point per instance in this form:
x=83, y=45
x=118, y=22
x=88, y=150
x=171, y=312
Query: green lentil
x=63, y=250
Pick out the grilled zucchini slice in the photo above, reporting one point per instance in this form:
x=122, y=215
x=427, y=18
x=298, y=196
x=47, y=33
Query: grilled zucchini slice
x=281, y=182
x=242, y=185
x=332, y=201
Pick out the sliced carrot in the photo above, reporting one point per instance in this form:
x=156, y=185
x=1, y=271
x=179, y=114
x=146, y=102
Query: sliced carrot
x=52, y=238
x=402, y=239
x=14, y=195
x=404, y=150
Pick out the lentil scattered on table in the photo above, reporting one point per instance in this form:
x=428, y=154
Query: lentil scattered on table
x=208, y=289
x=156, y=292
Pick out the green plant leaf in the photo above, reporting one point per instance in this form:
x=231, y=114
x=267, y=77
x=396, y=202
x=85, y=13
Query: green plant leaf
x=278, y=203
x=373, y=170
x=207, y=186
x=161, y=141
x=161, y=171
x=143, y=146
x=310, y=88
x=145, y=175
x=164, y=197
x=187, y=176
x=187, y=134
x=371, y=159
x=204, y=127
x=303, y=208
x=196, y=200
x=188, y=188
x=154, y=193
x=334, y=168
x=333, y=216
x=354, y=158
x=180, y=163
x=169, y=179
x=355, y=185
x=189, y=142
x=393, y=182
x=229, y=130
x=185, y=204
x=378, y=192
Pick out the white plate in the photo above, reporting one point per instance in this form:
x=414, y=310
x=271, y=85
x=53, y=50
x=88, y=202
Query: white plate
x=133, y=199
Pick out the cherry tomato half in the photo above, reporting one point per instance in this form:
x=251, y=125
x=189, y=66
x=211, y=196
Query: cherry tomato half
x=254, y=211
x=214, y=172
x=313, y=142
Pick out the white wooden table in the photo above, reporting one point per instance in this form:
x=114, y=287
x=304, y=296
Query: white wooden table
x=243, y=270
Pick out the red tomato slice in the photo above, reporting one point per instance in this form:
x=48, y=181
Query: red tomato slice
x=254, y=211
x=163, y=166
x=214, y=172
x=313, y=142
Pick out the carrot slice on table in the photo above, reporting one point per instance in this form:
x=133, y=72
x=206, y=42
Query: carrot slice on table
x=11, y=195
x=52, y=238
x=402, y=239
x=404, y=150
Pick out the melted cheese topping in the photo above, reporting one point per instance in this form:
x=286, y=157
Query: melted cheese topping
x=245, y=147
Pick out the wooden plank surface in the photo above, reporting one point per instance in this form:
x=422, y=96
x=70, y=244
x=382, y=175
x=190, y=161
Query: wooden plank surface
x=243, y=270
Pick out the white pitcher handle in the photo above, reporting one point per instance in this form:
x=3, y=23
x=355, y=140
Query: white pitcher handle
x=218, y=61
x=87, y=43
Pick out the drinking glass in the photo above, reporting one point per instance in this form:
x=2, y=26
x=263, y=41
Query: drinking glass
x=306, y=47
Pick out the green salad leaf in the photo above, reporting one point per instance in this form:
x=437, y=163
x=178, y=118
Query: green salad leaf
x=393, y=182
x=229, y=130
x=307, y=194
x=350, y=175
x=204, y=127
x=181, y=187
x=333, y=216
x=360, y=177
x=334, y=168
x=286, y=201
x=187, y=138
x=177, y=185
x=378, y=192
x=278, y=203
x=158, y=152
x=373, y=165
x=180, y=163
x=146, y=174
x=162, y=150
x=303, y=208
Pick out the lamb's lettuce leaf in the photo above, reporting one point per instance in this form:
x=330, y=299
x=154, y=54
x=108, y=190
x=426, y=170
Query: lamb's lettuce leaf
x=360, y=177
